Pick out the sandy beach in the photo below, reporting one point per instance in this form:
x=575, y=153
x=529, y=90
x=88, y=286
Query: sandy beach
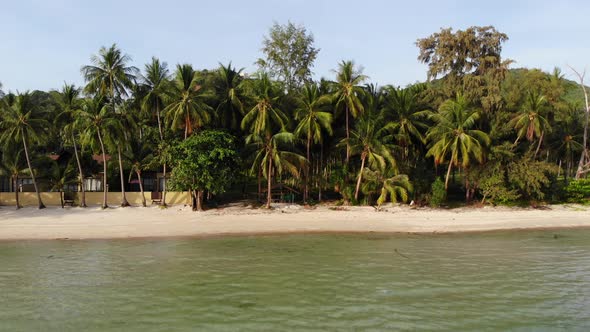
x=135, y=222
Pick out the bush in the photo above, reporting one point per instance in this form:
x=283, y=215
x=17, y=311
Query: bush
x=439, y=193
x=578, y=191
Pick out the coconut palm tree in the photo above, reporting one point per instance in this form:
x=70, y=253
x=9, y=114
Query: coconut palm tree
x=95, y=120
x=530, y=123
x=367, y=140
x=313, y=120
x=229, y=88
x=59, y=178
x=186, y=101
x=406, y=117
x=12, y=166
x=347, y=93
x=109, y=74
x=69, y=102
x=156, y=82
x=273, y=158
x=140, y=157
x=23, y=121
x=265, y=114
x=388, y=184
x=453, y=136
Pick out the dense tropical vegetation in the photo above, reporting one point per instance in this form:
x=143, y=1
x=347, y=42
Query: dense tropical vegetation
x=476, y=131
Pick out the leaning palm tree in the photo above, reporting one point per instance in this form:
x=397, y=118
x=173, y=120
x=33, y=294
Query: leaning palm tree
x=229, y=88
x=12, y=166
x=59, y=178
x=273, y=158
x=453, y=136
x=313, y=120
x=94, y=121
x=367, y=140
x=69, y=102
x=186, y=101
x=23, y=122
x=347, y=93
x=530, y=123
x=109, y=74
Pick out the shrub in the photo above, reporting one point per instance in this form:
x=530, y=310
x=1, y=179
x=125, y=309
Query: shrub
x=578, y=191
x=439, y=193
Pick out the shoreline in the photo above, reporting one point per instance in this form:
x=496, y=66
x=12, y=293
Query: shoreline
x=180, y=222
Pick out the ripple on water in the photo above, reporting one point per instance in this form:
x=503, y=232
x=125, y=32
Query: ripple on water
x=497, y=281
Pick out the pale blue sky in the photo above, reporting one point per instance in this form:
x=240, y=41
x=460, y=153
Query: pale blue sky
x=45, y=42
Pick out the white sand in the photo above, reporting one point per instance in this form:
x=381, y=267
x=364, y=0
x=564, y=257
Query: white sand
x=93, y=223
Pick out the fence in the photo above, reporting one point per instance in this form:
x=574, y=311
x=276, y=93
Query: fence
x=92, y=198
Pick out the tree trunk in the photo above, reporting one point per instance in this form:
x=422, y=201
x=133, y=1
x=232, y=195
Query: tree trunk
x=81, y=174
x=260, y=183
x=539, y=144
x=448, y=175
x=358, y=181
x=269, y=182
x=347, y=138
x=16, y=192
x=124, y=202
x=199, y=200
x=141, y=188
x=61, y=198
x=104, y=172
x=306, y=190
x=320, y=173
x=41, y=205
x=161, y=141
x=584, y=155
x=165, y=188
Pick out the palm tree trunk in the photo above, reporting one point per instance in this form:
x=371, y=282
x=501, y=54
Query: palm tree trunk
x=199, y=200
x=61, y=198
x=81, y=173
x=161, y=140
x=260, y=183
x=347, y=138
x=165, y=188
x=104, y=171
x=41, y=205
x=539, y=144
x=358, y=181
x=306, y=191
x=448, y=175
x=320, y=173
x=124, y=202
x=141, y=189
x=269, y=182
x=16, y=192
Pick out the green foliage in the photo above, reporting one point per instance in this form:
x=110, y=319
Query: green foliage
x=530, y=177
x=205, y=161
x=439, y=193
x=493, y=186
x=289, y=54
x=578, y=191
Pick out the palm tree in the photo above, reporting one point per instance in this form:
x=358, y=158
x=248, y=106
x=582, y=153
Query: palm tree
x=156, y=82
x=264, y=114
x=405, y=115
x=530, y=123
x=109, y=75
x=95, y=120
x=228, y=87
x=453, y=136
x=367, y=140
x=186, y=101
x=23, y=121
x=273, y=159
x=312, y=119
x=59, y=178
x=69, y=102
x=140, y=157
x=347, y=93
x=11, y=165
x=388, y=184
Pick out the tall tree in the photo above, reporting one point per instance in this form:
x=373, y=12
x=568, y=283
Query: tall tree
x=186, y=101
x=531, y=122
x=229, y=89
x=347, y=94
x=12, y=166
x=470, y=60
x=454, y=137
x=23, y=121
x=584, y=163
x=313, y=119
x=290, y=53
x=140, y=157
x=69, y=102
x=94, y=120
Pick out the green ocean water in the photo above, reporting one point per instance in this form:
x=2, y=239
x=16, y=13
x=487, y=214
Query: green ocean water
x=524, y=281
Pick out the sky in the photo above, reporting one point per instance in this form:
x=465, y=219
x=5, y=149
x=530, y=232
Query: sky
x=44, y=43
